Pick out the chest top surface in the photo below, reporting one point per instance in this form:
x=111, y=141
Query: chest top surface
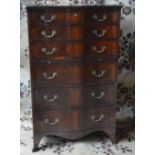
x=82, y=7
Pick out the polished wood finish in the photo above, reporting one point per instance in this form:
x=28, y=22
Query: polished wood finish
x=73, y=73
x=78, y=50
x=75, y=120
x=74, y=97
x=73, y=18
x=73, y=65
x=75, y=32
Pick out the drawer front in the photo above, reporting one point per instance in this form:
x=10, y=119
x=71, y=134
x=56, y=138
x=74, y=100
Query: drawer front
x=103, y=32
x=103, y=49
x=73, y=120
x=97, y=118
x=103, y=17
x=54, y=51
x=50, y=98
x=48, y=74
x=47, y=18
x=73, y=73
x=75, y=32
x=91, y=96
x=74, y=97
x=57, y=18
x=74, y=17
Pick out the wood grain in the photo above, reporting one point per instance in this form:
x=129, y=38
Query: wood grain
x=73, y=86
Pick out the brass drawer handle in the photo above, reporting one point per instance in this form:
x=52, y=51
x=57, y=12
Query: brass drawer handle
x=49, y=77
x=53, y=34
x=56, y=121
x=98, y=75
x=95, y=17
x=43, y=18
x=97, y=120
x=51, y=100
x=98, y=51
x=44, y=50
x=99, y=35
x=98, y=97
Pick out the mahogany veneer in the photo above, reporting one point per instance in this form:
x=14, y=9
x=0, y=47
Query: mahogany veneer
x=73, y=64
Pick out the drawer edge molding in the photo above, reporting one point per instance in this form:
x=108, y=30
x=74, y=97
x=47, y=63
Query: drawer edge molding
x=77, y=108
x=71, y=84
x=68, y=61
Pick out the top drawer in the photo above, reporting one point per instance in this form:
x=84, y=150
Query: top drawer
x=73, y=17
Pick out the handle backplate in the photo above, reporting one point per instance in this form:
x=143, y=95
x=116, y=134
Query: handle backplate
x=98, y=75
x=97, y=119
x=47, y=121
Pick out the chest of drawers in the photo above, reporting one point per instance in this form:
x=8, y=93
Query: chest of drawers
x=73, y=65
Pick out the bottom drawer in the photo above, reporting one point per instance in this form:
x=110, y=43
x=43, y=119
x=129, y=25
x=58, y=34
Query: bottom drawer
x=74, y=120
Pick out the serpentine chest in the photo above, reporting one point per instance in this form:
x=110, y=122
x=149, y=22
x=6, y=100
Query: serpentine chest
x=73, y=65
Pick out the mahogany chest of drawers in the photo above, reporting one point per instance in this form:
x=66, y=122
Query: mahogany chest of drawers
x=73, y=65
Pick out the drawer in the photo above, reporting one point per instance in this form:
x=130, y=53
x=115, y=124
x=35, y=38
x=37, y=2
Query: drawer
x=75, y=32
x=50, y=98
x=91, y=96
x=74, y=96
x=100, y=117
x=103, y=32
x=73, y=73
x=74, y=17
x=49, y=74
x=54, y=50
x=61, y=50
x=74, y=120
x=57, y=18
x=103, y=17
x=103, y=49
